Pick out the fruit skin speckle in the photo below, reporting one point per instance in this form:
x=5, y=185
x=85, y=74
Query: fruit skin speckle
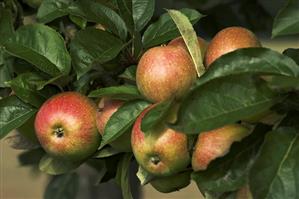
x=228, y=40
x=216, y=143
x=165, y=72
x=65, y=126
x=161, y=152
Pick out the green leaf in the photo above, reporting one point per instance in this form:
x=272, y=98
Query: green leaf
x=292, y=53
x=144, y=176
x=26, y=87
x=105, y=152
x=126, y=13
x=6, y=25
x=92, y=45
x=223, y=101
x=55, y=166
x=122, y=175
x=13, y=113
x=79, y=21
x=31, y=157
x=260, y=61
x=275, y=173
x=124, y=92
x=96, y=12
x=41, y=46
x=62, y=187
x=189, y=35
x=143, y=11
x=6, y=68
x=287, y=20
x=122, y=120
x=130, y=73
x=52, y=9
x=18, y=141
x=231, y=172
x=165, y=29
x=154, y=116
x=136, y=13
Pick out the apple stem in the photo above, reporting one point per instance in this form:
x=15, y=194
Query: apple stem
x=59, y=132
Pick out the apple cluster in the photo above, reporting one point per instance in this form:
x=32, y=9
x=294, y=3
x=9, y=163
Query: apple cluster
x=70, y=125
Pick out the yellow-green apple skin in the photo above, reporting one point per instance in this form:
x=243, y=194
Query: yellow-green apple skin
x=106, y=108
x=228, y=40
x=172, y=183
x=165, y=72
x=216, y=143
x=162, y=151
x=65, y=126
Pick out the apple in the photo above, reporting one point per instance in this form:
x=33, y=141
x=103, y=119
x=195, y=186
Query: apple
x=106, y=108
x=65, y=126
x=172, y=183
x=228, y=40
x=216, y=143
x=162, y=151
x=179, y=42
x=165, y=72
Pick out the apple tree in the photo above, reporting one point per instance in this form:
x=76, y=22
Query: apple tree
x=147, y=89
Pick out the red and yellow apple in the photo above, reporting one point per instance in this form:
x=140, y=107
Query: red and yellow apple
x=106, y=108
x=228, y=40
x=216, y=143
x=65, y=126
x=161, y=151
x=165, y=72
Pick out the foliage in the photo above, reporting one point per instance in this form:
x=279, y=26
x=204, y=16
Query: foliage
x=93, y=47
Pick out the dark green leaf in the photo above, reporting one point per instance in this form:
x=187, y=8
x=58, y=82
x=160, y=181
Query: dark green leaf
x=79, y=21
x=6, y=68
x=165, y=29
x=292, y=53
x=92, y=45
x=28, y=131
x=224, y=101
x=125, y=11
x=32, y=157
x=13, y=113
x=122, y=175
x=130, y=73
x=41, y=46
x=107, y=151
x=84, y=83
x=231, y=172
x=26, y=87
x=136, y=13
x=62, y=187
x=6, y=25
x=52, y=9
x=96, y=12
x=125, y=92
x=275, y=174
x=54, y=166
x=143, y=11
x=122, y=120
x=20, y=142
x=261, y=61
x=287, y=20
x=189, y=35
x=154, y=116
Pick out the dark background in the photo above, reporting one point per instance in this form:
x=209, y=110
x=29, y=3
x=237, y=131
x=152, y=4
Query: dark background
x=257, y=15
